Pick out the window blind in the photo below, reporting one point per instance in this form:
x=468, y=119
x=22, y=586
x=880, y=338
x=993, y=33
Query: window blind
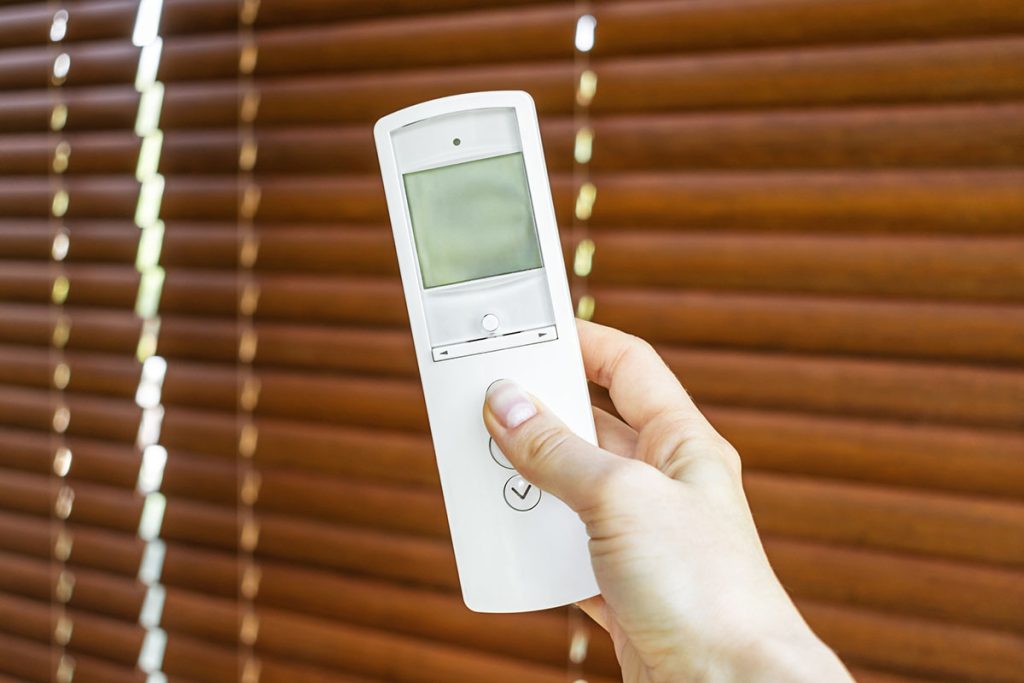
x=812, y=208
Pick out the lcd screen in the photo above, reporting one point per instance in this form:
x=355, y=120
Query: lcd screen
x=472, y=220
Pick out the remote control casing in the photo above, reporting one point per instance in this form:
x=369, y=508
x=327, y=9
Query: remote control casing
x=509, y=560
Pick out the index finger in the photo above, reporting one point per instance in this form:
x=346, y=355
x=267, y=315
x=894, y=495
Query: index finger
x=641, y=386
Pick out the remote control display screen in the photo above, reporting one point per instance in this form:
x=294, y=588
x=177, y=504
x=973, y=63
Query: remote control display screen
x=472, y=220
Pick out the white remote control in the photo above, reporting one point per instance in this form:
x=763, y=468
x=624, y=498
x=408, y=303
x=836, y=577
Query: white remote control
x=488, y=299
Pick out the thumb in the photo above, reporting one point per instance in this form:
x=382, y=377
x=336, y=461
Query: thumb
x=543, y=449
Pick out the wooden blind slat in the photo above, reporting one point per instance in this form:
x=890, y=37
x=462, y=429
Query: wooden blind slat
x=107, y=638
x=660, y=25
x=917, y=645
x=92, y=547
x=34, y=661
x=950, y=591
x=28, y=24
x=91, y=416
x=90, y=330
x=94, y=461
x=884, y=451
x=94, y=591
x=91, y=63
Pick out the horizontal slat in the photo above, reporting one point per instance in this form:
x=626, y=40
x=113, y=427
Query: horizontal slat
x=945, y=591
x=29, y=24
x=203, y=662
x=100, y=549
x=284, y=491
x=416, y=560
x=110, y=639
x=896, y=72
x=91, y=64
x=495, y=35
x=92, y=373
x=883, y=451
x=93, y=505
x=90, y=197
x=351, y=348
x=917, y=646
x=34, y=661
x=96, y=592
x=335, y=249
x=102, y=152
x=356, y=400
x=88, y=241
x=852, y=387
x=972, y=134
x=663, y=25
x=935, y=524
x=106, y=108
x=90, y=330
x=971, y=268
x=91, y=416
x=106, y=286
x=186, y=16
x=332, y=449
x=993, y=333
x=944, y=201
x=93, y=461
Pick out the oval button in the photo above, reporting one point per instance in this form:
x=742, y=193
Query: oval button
x=490, y=322
x=499, y=457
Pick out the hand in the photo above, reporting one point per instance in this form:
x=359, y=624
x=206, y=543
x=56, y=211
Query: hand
x=687, y=593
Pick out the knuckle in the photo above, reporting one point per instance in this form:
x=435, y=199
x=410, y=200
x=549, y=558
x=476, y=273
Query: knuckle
x=680, y=440
x=544, y=445
x=625, y=479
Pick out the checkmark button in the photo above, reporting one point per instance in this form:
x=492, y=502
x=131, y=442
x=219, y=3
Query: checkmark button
x=520, y=494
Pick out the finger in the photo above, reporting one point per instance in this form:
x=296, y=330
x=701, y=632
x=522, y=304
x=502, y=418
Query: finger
x=613, y=434
x=543, y=449
x=597, y=609
x=641, y=386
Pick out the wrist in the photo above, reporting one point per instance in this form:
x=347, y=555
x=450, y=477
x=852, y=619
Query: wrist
x=792, y=658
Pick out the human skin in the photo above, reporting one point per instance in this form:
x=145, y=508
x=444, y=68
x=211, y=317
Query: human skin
x=687, y=592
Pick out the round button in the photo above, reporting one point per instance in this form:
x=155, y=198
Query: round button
x=520, y=494
x=499, y=457
x=490, y=322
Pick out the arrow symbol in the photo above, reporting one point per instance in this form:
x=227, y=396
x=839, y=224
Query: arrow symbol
x=443, y=353
x=522, y=496
x=542, y=334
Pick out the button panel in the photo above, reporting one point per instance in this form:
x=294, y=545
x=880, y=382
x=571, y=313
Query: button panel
x=489, y=344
